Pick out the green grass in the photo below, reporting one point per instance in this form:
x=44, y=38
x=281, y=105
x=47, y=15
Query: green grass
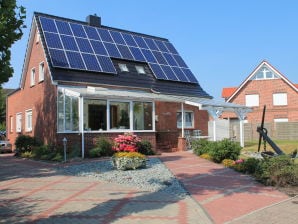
x=286, y=146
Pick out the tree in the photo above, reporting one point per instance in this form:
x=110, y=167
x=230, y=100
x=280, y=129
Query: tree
x=11, y=24
x=2, y=109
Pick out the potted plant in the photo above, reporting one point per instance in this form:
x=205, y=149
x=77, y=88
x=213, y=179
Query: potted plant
x=126, y=156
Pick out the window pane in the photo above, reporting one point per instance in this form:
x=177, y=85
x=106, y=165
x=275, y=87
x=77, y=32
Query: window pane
x=75, y=114
x=95, y=115
x=119, y=115
x=60, y=111
x=280, y=99
x=188, y=119
x=142, y=116
x=252, y=100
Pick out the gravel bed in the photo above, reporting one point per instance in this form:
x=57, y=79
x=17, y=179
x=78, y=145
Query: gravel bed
x=155, y=177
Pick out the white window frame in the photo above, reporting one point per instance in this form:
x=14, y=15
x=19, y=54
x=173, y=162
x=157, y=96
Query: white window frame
x=280, y=99
x=11, y=124
x=32, y=77
x=123, y=67
x=19, y=122
x=279, y=120
x=186, y=125
x=140, y=69
x=41, y=72
x=28, y=120
x=252, y=100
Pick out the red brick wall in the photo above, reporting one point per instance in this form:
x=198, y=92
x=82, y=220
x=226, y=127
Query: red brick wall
x=266, y=89
x=40, y=98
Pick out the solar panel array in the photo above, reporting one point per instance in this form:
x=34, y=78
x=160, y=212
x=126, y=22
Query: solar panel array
x=82, y=47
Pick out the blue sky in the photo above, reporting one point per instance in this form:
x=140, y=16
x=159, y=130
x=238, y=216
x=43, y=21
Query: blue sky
x=221, y=41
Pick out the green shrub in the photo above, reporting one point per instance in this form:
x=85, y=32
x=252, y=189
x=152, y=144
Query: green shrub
x=250, y=165
x=225, y=149
x=27, y=154
x=128, y=160
x=25, y=143
x=75, y=151
x=58, y=157
x=206, y=156
x=40, y=151
x=145, y=148
x=279, y=171
x=201, y=146
x=103, y=148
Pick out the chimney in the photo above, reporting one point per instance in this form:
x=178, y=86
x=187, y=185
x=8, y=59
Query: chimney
x=93, y=20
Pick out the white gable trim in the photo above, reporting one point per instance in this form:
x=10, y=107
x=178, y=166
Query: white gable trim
x=254, y=72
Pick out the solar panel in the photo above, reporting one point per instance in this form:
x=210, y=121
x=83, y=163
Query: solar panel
x=91, y=33
x=76, y=46
x=69, y=43
x=91, y=62
x=63, y=27
x=84, y=45
x=75, y=60
x=106, y=64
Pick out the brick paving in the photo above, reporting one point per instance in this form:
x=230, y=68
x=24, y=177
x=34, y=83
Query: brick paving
x=33, y=192
x=228, y=196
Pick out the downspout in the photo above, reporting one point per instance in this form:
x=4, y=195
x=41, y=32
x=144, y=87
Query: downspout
x=82, y=125
x=182, y=125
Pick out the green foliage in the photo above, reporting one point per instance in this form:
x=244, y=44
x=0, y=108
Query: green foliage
x=27, y=154
x=145, y=147
x=58, y=157
x=201, y=146
x=206, y=156
x=2, y=109
x=11, y=23
x=220, y=150
x=279, y=171
x=26, y=142
x=75, y=151
x=225, y=149
x=103, y=148
x=250, y=165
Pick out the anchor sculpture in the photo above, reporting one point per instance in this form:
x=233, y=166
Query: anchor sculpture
x=264, y=135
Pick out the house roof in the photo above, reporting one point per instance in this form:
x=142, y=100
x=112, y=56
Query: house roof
x=227, y=92
x=79, y=52
x=264, y=62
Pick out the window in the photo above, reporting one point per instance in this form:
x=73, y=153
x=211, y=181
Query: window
x=11, y=123
x=68, y=112
x=252, y=100
x=276, y=120
x=32, y=78
x=18, y=122
x=280, y=99
x=142, y=116
x=95, y=112
x=41, y=72
x=123, y=67
x=188, y=119
x=119, y=115
x=140, y=69
x=28, y=120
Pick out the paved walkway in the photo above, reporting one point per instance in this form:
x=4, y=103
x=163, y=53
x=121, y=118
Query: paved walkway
x=229, y=196
x=33, y=192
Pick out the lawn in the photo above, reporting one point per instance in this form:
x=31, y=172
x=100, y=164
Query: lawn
x=286, y=146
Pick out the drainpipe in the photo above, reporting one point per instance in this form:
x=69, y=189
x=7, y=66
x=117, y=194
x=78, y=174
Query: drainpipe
x=82, y=125
x=182, y=125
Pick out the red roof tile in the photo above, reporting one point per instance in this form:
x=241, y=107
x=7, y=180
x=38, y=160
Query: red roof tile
x=227, y=92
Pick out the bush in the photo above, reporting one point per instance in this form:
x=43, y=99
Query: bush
x=40, y=151
x=25, y=143
x=225, y=149
x=103, y=148
x=201, y=146
x=145, y=148
x=279, y=171
x=27, y=154
x=250, y=165
x=75, y=151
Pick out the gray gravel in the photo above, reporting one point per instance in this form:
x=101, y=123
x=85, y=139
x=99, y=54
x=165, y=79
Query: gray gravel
x=155, y=177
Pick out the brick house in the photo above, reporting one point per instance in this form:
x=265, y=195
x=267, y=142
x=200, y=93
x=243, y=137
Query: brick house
x=82, y=80
x=265, y=86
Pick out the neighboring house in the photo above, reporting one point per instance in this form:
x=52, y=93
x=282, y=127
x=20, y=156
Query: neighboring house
x=265, y=86
x=82, y=80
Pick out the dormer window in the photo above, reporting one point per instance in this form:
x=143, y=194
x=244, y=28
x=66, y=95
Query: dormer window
x=123, y=67
x=140, y=69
